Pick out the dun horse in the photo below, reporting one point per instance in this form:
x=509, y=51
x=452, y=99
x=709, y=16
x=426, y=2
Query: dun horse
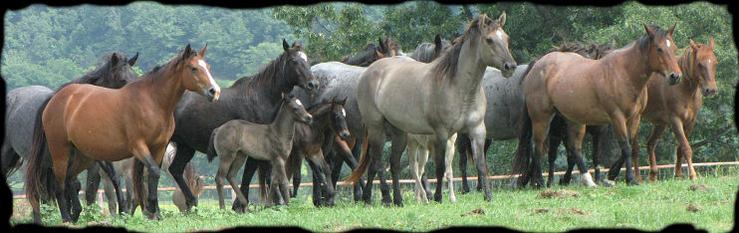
x=329, y=122
x=440, y=98
x=594, y=92
x=253, y=98
x=678, y=106
x=136, y=120
x=238, y=140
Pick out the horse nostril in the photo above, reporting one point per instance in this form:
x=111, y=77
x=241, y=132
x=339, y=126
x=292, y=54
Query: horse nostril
x=509, y=66
x=212, y=91
x=344, y=134
x=312, y=84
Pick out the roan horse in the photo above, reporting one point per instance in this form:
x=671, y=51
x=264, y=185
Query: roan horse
x=238, y=140
x=77, y=116
x=329, y=122
x=255, y=99
x=594, y=92
x=26, y=102
x=440, y=98
x=678, y=105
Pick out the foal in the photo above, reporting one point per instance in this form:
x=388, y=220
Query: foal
x=329, y=122
x=236, y=140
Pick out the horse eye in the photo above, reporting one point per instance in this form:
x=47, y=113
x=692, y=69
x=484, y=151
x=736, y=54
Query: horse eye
x=489, y=40
x=194, y=69
x=659, y=49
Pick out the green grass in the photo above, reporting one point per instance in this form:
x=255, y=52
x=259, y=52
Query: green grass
x=646, y=207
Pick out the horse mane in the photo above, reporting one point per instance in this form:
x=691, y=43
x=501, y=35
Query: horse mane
x=447, y=65
x=263, y=78
x=103, y=68
x=318, y=108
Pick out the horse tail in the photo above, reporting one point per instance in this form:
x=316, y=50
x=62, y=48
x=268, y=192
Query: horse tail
x=364, y=161
x=139, y=194
x=523, y=154
x=40, y=183
x=262, y=176
x=211, y=152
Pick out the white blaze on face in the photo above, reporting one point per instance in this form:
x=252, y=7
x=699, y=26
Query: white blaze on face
x=212, y=81
x=343, y=113
x=499, y=33
x=668, y=43
x=297, y=101
x=303, y=56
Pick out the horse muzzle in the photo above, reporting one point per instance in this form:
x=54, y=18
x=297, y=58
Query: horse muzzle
x=308, y=119
x=213, y=94
x=311, y=85
x=344, y=134
x=710, y=92
x=673, y=78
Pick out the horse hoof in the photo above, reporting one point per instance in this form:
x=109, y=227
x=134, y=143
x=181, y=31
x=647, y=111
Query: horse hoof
x=633, y=183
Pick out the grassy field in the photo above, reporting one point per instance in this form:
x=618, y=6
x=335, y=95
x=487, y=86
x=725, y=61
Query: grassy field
x=707, y=203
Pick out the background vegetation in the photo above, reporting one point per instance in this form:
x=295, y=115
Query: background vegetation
x=49, y=46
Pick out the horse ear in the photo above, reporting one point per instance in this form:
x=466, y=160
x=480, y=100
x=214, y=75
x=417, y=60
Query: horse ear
x=114, y=59
x=381, y=43
x=343, y=102
x=693, y=45
x=285, y=45
x=187, y=52
x=501, y=19
x=437, y=40
x=649, y=30
x=283, y=95
x=711, y=43
x=671, y=30
x=203, y=50
x=132, y=61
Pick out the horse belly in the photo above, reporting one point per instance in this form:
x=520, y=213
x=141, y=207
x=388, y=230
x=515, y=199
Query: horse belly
x=578, y=103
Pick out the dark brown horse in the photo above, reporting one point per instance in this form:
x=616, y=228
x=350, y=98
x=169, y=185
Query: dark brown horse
x=678, y=105
x=594, y=92
x=371, y=53
x=136, y=120
x=329, y=122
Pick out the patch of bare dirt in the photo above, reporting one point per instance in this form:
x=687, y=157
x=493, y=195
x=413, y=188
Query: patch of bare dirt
x=699, y=187
x=558, y=193
x=475, y=212
x=693, y=208
x=541, y=210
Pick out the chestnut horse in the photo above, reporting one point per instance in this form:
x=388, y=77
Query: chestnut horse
x=136, y=120
x=595, y=92
x=678, y=106
x=400, y=95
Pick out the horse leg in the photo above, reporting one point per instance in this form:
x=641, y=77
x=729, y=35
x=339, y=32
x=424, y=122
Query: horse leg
x=477, y=134
x=93, y=183
x=376, y=139
x=237, y=161
x=278, y=196
x=320, y=160
x=343, y=150
x=485, y=156
x=225, y=160
x=142, y=153
x=554, y=141
x=183, y=155
x=463, y=147
x=399, y=142
x=597, y=150
x=621, y=130
x=575, y=136
x=691, y=170
x=60, y=154
x=73, y=196
x=296, y=180
x=540, y=124
x=115, y=181
x=10, y=160
x=317, y=195
x=110, y=195
x=250, y=167
x=130, y=202
x=652, y=143
x=634, y=136
x=448, y=167
x=685, y=152
x=413, y=163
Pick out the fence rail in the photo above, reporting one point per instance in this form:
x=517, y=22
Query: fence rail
x=410, y=181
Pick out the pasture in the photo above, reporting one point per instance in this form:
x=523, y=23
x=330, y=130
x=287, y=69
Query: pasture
x=706, y=203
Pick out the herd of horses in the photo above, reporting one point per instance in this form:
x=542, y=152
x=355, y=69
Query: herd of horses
x=445, y=96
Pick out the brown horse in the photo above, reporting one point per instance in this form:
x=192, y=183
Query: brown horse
x=136, y=120
x=678, y=106
x=400, y=95
x=238, y=140
x=595, y=92
x=371, y=53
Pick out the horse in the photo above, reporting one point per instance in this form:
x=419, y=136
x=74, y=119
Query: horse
x=329, y=121
x=371, y=53
x=254, y=98
x=23, y=103
x=238, y=140
x=79, y=114
x=419, y=146
x=678, y=105
x=593, y=92
x=400, y=95
x=427, y=52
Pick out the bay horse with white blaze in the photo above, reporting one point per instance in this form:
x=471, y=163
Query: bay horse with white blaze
x=136, y=120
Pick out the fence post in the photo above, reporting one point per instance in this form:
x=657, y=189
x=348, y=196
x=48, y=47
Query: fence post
x=233, y=194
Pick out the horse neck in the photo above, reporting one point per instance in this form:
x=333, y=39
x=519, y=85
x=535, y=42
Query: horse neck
x=321, y=119
x=689, y=85
x=635, y=63
x=267, y=85
x=361, y=58
x=284, y=123
x=164, y=86
x=470, y=69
